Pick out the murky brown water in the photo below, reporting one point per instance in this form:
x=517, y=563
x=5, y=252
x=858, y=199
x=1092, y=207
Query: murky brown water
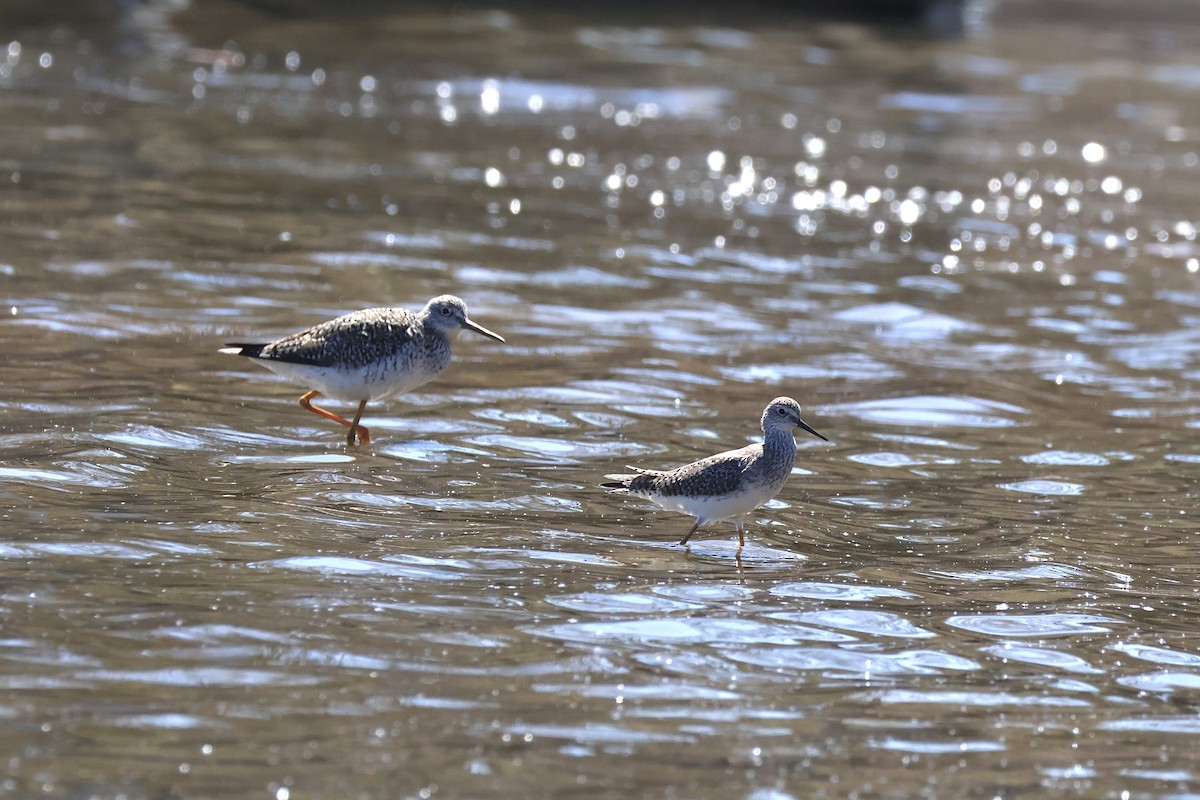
x=973, y=260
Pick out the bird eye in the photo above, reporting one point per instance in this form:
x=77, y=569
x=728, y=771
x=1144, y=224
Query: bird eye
x=445, y=311
x=781, y=411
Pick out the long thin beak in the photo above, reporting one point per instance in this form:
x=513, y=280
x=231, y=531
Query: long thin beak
x=471, y=326
x=801, y=423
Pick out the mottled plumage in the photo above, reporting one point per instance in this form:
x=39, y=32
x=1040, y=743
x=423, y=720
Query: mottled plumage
x=350, y=341
x=728, y=485
x=367, y=355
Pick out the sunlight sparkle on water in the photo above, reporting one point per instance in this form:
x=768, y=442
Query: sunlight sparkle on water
x=909, y=212
x=1094, y=152
x=489, y=97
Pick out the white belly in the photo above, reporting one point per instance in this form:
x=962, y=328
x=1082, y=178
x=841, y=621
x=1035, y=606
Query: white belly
x=354, y=385
x=715, y=509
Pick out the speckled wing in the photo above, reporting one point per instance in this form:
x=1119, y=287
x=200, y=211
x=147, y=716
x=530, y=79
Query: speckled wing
x=349, y=341
x=709, y=477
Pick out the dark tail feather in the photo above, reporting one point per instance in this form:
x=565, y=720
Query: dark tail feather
x=242, y=349
x=621, y=480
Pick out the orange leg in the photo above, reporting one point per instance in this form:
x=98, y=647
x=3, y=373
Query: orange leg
x=364, y=435
x=684, y=540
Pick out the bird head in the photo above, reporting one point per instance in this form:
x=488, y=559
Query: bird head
x=448, y=314
x=784, y=412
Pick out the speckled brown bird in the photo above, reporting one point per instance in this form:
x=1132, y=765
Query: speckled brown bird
x=728, y=485
x=367, y=355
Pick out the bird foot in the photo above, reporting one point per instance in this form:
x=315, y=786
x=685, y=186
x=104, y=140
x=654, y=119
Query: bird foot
x=361, y=433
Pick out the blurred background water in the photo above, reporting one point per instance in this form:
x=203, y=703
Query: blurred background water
x=967, y=247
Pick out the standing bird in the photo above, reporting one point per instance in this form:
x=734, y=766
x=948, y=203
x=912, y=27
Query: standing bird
x=728, y=485
x=367, y=355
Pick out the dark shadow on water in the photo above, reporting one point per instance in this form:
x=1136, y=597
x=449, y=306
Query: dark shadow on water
x=125, y=18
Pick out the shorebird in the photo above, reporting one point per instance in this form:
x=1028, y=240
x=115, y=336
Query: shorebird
x=367, y=355
x=728, y=485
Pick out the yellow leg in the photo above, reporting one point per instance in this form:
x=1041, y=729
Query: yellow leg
x=684, y=540
x=363, y=434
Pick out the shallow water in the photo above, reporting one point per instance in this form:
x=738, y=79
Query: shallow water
x=973, y=260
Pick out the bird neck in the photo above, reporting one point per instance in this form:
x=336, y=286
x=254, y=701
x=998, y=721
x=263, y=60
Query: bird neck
x=429, y=325
x=779, y=443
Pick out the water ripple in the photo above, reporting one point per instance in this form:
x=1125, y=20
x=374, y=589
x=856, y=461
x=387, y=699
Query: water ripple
x=1189, y=725
x=902, y=321
x=201, y=676
x=1066, y=458
x=839, y=592
x=1046, y=487
x=708, y=594
x=938, y=748
x=164, y=721
x=847, y=366
x=891, y=460
x=974, y=698
x=604, y=603
x=1052, y=659
x=876, y=623
x=557, y=451
x=864, y=665
x=957, y=104
x=932, y=411
x=1029, y=625
x=1162, y=682
x=76, y=550
x=25, y=474
x=339, y=565
x=712, y=631
x=661, y=690
x=154, y=438
x=598, y=733
x=1037, y=572
x=1157, y=655
x=442, y=502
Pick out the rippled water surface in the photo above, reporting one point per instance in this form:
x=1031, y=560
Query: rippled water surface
x=972, y=258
